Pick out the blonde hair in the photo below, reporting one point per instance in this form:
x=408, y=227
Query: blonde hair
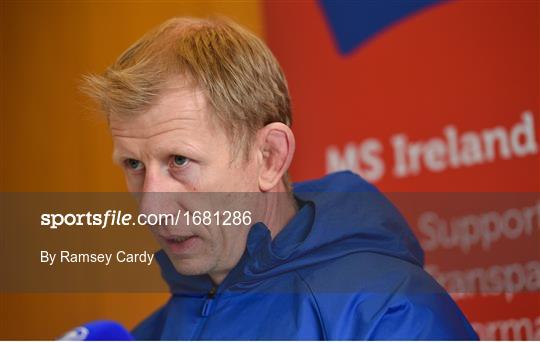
x=240, y=77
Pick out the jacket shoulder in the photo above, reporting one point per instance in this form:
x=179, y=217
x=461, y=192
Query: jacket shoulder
x=375, y=296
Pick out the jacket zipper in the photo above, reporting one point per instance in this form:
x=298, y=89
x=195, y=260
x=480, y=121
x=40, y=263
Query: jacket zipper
x=207, y=306
x=206, y=310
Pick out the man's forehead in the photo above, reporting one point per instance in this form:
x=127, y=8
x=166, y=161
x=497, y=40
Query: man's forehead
x=179, y=107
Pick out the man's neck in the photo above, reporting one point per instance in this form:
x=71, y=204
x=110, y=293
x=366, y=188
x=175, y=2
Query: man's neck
x=281, y=207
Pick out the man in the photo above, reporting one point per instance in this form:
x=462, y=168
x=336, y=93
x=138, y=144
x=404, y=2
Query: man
x=201, y=106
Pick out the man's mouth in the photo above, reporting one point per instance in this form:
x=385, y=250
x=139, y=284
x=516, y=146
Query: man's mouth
x=176, y=239
x=181, y=244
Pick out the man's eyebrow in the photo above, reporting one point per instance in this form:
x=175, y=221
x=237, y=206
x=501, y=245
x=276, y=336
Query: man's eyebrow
x=119, y=152
x=118, y=156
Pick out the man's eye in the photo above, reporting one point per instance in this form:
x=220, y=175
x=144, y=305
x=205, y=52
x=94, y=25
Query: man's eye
x=180, y=161
x=134, y=164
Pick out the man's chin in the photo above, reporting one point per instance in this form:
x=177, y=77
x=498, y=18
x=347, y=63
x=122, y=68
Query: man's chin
x=189, y=266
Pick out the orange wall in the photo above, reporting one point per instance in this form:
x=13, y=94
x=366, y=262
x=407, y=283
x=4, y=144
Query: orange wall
x=52, y=140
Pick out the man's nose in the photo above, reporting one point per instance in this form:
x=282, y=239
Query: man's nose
x=156, y=196
x=155, y=180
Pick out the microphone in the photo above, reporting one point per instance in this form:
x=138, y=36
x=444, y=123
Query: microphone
x=98, y=331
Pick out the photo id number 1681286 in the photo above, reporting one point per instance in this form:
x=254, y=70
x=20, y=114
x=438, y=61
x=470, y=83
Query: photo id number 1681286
x=220, y=218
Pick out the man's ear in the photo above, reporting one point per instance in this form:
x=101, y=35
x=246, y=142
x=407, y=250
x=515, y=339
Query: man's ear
x=276, y=148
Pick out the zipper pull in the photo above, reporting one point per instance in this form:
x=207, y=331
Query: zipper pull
x=207, y=306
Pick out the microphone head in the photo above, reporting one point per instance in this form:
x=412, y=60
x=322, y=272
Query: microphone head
x=98, y=331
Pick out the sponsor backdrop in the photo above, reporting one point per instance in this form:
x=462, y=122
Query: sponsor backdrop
x=434, y=97
x=435, y=102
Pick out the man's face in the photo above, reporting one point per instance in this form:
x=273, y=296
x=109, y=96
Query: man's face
x=176, y=148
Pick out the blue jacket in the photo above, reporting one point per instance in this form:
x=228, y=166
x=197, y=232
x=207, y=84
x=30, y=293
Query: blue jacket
x=347, y=266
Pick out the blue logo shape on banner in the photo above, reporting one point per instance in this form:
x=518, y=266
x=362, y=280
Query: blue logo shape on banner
x=353, y=22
